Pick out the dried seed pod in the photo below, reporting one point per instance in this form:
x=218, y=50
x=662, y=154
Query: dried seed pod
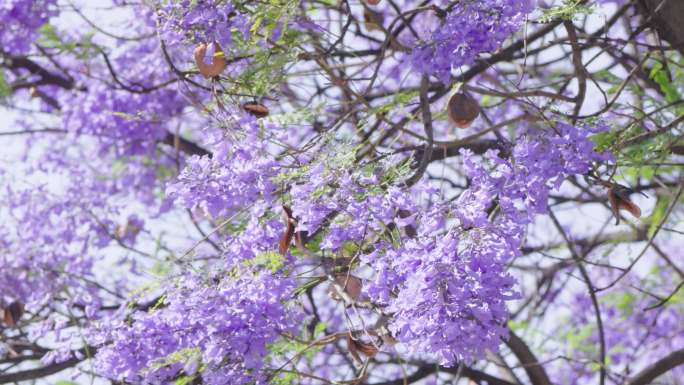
x=218, y=61
x=352, y=287
x=462, y=110
x=618, y=197
x=13, y=313
x=352, y=349
x=367, y=349
x=357, y=346
x=373, y=20
x=256, y=109
x=286, y=238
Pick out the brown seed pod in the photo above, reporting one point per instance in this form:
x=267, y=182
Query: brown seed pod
x=352, y=287
x=352, y=349
x=218, y=62
x=618, y=196
x=373, y=20
x=462, y=110
x=372, y=2
x=357, y=346
x=286, y=238
x=367, y=349
x=13, y=313
x=256, y=109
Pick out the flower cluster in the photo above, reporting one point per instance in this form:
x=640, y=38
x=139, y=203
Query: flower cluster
x=20, y=20
x=238, y=174
x=448, y=292
x=201, y=22
x=218, y=329
x=43, y=247
x=429, y=272
x=468, y=30
x=132, y=112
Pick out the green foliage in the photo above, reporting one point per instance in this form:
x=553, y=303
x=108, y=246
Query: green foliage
x=517, y=326
x=83, y=49
x=180, y=356
x=344, y=158
x=266, y=68
x=568, y=10
x=604, y=140
x=319, y=330
x=291, y=175
x=142, y=292
x=577, y=339
x=401, y=99
x=270, y=260
x=5, y=89
x=623, y=301
x=660, y=76
x=658, y=214
x=184, y=380
x=298, y=117
x=288, y=378
x=308, y=285
x=288, y=348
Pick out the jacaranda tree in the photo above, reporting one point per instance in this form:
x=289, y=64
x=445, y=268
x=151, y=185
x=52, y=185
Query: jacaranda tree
x=342, y=192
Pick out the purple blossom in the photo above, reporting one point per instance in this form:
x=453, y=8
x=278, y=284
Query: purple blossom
x=21, y=21
x=468, y=30
x=224, y=326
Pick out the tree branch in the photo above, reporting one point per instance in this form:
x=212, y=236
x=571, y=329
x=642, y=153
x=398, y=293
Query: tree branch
x=534, y=370
x=429, y=369
x=659, y=368
x=32, y=374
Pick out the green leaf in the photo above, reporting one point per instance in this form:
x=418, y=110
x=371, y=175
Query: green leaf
x=319, y=329
x=661, y=77
x=185, y=380
x=623, y=301
x=307, y=285
x=518, y=325
x=568, y=10
x=285, y=379
x=270, y=260
x=658, y=214
x=5, y=89
x=577, y=338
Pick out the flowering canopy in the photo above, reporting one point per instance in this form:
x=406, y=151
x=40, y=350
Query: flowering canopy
x=345, y=192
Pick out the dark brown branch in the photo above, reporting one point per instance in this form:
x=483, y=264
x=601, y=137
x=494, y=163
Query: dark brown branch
x=659, y=368
x=427, y=124
x=185, y=145
x=580, y=71
x=479, y=148
x=429, y=369
x=592, y=294
x=535, y=371
x=33, y=374
x=46, y=76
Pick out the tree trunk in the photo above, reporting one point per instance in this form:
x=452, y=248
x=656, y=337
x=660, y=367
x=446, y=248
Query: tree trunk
x=667, y=18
